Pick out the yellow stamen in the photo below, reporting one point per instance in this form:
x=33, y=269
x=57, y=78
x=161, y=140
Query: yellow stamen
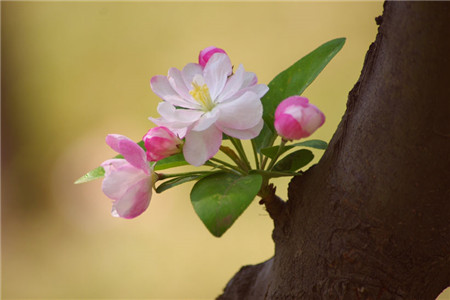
x=201, y=94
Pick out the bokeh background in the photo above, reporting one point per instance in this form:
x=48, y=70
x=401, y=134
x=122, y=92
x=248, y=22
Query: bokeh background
x=72, y=72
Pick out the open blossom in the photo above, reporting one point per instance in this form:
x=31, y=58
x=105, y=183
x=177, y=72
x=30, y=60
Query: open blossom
x=128, y=182
x=206, y=54
x=201, y=103
x=160, y=143
x=296, y=118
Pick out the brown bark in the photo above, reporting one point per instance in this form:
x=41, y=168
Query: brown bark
x=372, y=219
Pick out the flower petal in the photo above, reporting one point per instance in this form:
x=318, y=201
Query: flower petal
x=246, y=134
x=259, y=89
x=119, y=176
x=189, y=72
x=234, y=83
x=183, y=117
x=244, y=112
x=176, y=80
x=131, y=151
x=206, y=120
x=134, y=201
x=202, y=145
x=216, y=73
x=161, y=87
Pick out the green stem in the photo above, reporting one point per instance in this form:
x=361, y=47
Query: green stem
x=272, y=174
x=279, y=152
x=241, y=166
x=162, y=176
x=234, y=168
x=264, y=160
x=255, y=153
x=238, y=145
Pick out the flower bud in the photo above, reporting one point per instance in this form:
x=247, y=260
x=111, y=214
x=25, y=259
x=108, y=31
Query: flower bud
x=160, y=143
x=206, y=54
x=296, y=118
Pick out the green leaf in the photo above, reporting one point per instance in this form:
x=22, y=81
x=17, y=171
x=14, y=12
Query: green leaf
x=316, y=144
x=272, y=151
x=294, y=161
x=96, y=173
x=295, y=79
x=220, y=199
x=173, y=161
x=176, y=181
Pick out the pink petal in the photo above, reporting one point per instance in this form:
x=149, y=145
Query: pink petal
x=131, y=151
x=244, y=112
x=202, y=145
x=216, y=73
x=111, y=165
x=119, y=177
x=134, y=201
x=313, y=119
x=246, y=134
x=206, y=53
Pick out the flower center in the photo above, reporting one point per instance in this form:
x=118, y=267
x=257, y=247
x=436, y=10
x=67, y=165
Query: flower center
x=200, y=93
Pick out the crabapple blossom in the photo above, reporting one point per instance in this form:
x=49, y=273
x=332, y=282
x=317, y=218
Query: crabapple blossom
x=206, y=54
x=128, y=182
x=296, y=118
x=200, y=103
x=160, y=143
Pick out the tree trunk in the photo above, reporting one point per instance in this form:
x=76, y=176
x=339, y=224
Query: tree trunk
x=372, y=219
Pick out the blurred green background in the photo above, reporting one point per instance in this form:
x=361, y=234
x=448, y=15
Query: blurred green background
x=72, y=72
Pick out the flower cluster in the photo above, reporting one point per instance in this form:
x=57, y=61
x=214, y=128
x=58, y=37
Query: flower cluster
x=201, y=104
x=202, y=101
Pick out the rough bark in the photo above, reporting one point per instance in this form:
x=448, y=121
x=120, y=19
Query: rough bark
x=372, y=219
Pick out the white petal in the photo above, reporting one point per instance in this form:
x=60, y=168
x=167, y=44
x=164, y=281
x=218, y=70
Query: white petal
x=177, y=82
x=234, y=83
x=206, y=120
x=259, y=89
x=135, y=200
x=216, y=72
x=246, y=134
x=161, y=86
x=241, y=113
x=201, y=146
x=189, y=72
x=183, y=116
x=250, y=79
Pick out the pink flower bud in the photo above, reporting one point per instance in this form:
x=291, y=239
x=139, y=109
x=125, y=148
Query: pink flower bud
x=206, y=54
x=296, y=118
x=160, y=143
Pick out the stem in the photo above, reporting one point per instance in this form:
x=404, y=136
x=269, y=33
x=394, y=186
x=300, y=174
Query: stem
x=162, y=176
x=228, y=168
x=264, y=160
x=272, y=174
x=234, y=168
x=241, y=166
x=256, y=155
x=238, y=145
x=279, y=152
